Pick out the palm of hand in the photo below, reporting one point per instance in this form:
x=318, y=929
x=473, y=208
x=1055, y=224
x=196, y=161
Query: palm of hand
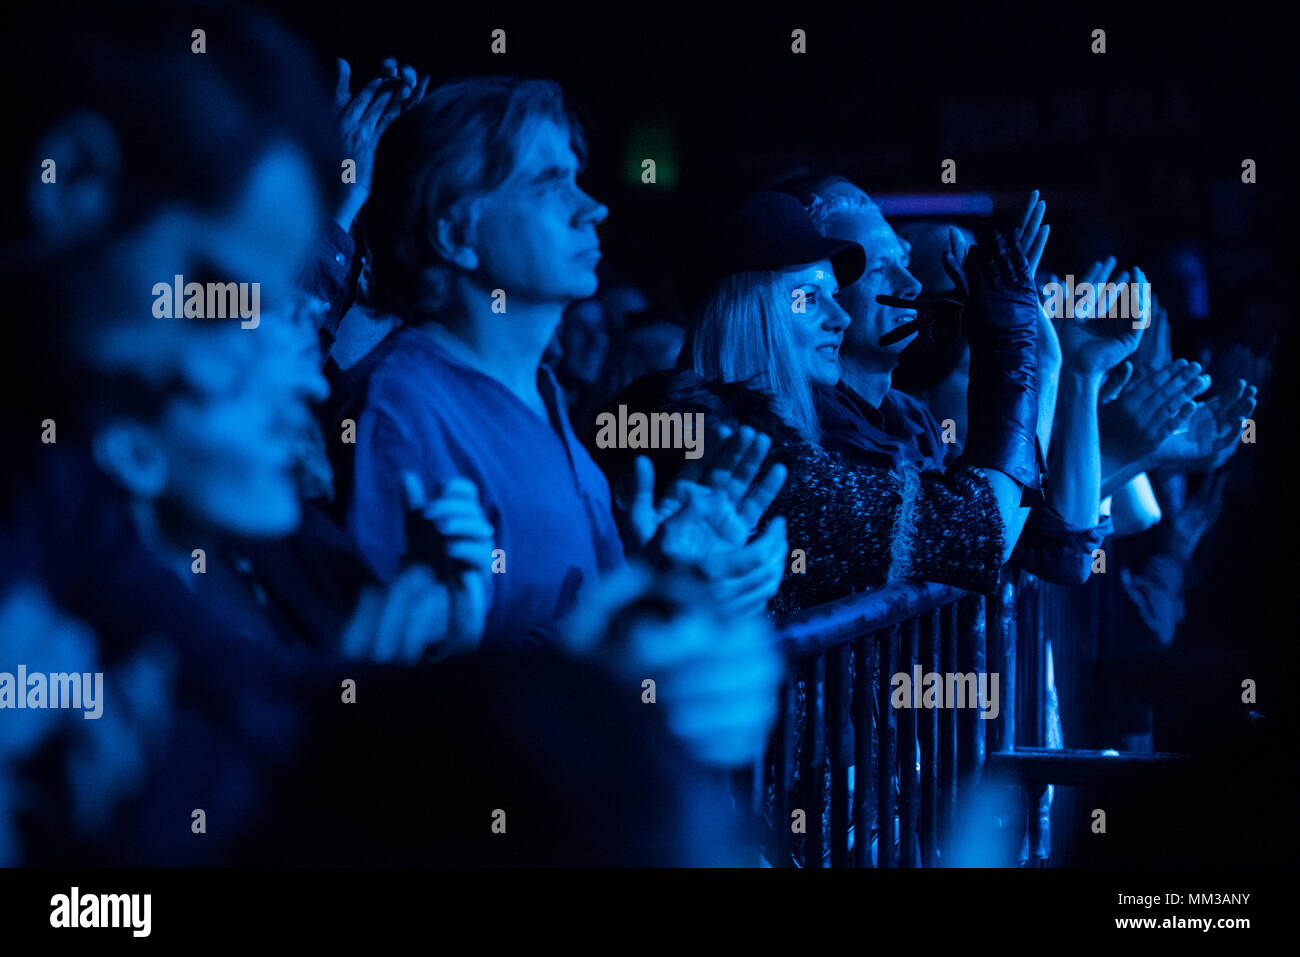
x=1099, y=344
x=697, y=522
x=1202, y=443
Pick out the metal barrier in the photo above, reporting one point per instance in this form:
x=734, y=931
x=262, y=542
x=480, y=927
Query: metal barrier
x=847, y=744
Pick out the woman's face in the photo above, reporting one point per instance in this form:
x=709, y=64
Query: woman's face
x=817, y=321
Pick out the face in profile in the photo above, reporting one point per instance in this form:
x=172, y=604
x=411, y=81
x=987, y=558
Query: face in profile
x=886, y=273
x=233, y=441
x=536, y=233
x=224, y=449
x=817, y=322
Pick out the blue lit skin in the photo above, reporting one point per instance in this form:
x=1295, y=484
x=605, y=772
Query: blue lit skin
x=223, y=453
x=535, y=234
x=887, y=273
x=818, y=331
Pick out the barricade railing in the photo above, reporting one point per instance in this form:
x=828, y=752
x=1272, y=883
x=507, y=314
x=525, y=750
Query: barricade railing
x=864, y=770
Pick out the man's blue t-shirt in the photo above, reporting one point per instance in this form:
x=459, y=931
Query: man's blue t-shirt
x=428, y=412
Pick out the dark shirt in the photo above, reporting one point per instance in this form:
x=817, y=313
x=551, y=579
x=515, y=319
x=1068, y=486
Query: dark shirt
x=330, y=274
x=257, y=735
x=903, y=430
x=428, y=412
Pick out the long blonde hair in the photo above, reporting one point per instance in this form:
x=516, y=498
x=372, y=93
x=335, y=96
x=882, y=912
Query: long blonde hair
x=741, y=333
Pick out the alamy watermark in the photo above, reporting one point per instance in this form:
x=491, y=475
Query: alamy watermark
x=1087, y=300
x=75, y=909
x=948, y=690
x=76, y=690
x=214, y=300
x=658, y=430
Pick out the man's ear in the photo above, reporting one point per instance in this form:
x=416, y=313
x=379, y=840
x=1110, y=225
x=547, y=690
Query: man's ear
x=130, y=455
x=74, y=197
x=450, y=240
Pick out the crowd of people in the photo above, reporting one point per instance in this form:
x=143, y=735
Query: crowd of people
x=366, y=583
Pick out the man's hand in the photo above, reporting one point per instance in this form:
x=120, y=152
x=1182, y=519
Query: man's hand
x=743, y=580
x=363, y=117
x=1148, y=410
x=717, y=497
x=418, y=617
x=1213, y=432
x=716, y=677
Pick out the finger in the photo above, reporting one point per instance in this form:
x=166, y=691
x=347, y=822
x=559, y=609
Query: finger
x=1241, y=410
x=695, y=468
x=953, y=269
x=397, y=606
x=1144, y=299
x=418, y=94
x=448, y=506
x=1109, y=293
x=458, y=487
x=1022, y=228
x=761, y=494
x=408, y=75
x=472, y=553
x=413, y=490
x=360, y=102
x=1116, y=379
x=459, y=526
x=753, y=599
x=1182, y=417
x=743, y=475
x=1178, y=390
x=1105, y=269
x=643, y=496
x=746, y=582
x=1019, y=264
x=729, y=458
x=1025, y=238
x=1002, y=259
x=765, y=549
x=426, y=623
x=344, y=82
x=1035, y=254
x=393, y=110
x=375, y=110
x=1145, y=384
x=362, y=624
x=388, y=66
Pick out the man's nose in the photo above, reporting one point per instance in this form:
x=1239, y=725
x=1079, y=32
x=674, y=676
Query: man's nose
x=906, y=286
x=590, y=210
x=314, y=386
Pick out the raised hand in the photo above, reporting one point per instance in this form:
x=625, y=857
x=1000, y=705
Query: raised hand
x=1187, y=525
x=1213, y=431
x=363, y=117
x=723, y=489
x=1094, y=346
x=1148, y=410
x=743, y=580
x=1030, y=235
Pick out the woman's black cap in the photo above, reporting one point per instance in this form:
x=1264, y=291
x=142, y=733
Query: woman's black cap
x=773, y=231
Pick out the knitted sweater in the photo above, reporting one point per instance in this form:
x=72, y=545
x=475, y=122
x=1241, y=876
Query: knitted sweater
x=858, y=525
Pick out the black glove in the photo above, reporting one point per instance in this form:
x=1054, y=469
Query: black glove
x=1002, y=327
